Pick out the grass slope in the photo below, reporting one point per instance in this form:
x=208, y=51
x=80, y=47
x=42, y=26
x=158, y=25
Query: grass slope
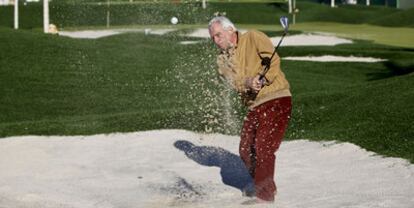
x=56, y=85
x=52, y=85
x=403, y=18
x=375, y=114
x=393, y=36
x=242, y=12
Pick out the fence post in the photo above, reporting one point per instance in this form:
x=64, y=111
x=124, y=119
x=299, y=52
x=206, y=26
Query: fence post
x=45, y=16
x=16, y=14
x=108, y=14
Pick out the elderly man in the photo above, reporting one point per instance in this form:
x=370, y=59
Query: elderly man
x=268, y=99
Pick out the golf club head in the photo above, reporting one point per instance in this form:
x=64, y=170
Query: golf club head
x=284, y=21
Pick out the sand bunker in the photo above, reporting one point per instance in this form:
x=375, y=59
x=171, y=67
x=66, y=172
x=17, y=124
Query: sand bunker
x=290, y=40
x=310, y=40
x=89, y=34
x=176, y=168
x=330, y=58
x=94, y=34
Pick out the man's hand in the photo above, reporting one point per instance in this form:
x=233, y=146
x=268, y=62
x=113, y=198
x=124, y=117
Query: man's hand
x=254, y=84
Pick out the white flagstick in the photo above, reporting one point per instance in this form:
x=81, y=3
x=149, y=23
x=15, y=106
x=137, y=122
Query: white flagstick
x=108, y=13
x=294, y=11
x=204, y=5
x=45, y=16
x=16, y=14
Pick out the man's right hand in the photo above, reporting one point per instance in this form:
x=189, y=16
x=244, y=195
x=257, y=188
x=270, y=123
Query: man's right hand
x=254, y=84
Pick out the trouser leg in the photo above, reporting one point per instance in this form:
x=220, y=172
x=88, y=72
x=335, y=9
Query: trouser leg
x=272, y=118
x=247, y=146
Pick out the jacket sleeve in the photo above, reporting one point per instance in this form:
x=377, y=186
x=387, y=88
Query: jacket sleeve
x=227, y=70
x=240, y=85
x=265, y=48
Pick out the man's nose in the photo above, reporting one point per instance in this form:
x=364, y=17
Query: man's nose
x=217, y=40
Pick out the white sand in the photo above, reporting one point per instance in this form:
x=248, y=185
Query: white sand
x=89, y=34
x=160, y=31
x=331, y=58
x=319, y=39
x=290, y=40
x=310, y=40
x=94, y=34
x=189, y=42
x=176, y=168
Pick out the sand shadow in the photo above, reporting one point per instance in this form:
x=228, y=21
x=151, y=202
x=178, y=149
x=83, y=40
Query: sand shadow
x=232, y=169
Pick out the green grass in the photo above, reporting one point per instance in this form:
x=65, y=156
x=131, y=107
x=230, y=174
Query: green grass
x=81, y=82
x=368, y=104
x=371, y=112
x=393, y=36
x=351, y=14
x=79, y=15
x=65, y=14
x=402, y=18
x=53, y=85
x=382, y=35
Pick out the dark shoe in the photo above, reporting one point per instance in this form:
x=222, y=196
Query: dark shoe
x=249, y=191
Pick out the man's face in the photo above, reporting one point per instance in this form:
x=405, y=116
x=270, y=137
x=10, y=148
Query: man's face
x=221, y=37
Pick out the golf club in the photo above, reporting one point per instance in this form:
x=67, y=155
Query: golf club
x=266, y=61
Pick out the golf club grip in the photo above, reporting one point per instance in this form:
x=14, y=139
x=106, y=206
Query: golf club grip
x=262, y=76
x=266, y=69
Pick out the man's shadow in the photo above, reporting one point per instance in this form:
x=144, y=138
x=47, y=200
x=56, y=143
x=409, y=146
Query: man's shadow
x=232, y=168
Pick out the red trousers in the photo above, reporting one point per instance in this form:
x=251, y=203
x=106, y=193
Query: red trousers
x=262, y=133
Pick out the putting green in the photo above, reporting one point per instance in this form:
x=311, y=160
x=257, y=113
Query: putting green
x=394, y=36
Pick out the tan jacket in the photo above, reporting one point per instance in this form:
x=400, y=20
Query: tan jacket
x=243, y=61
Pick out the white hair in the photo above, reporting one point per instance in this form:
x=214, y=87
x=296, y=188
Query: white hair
x=223, y=21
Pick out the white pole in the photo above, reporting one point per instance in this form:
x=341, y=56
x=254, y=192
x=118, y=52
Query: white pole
x=204, y=4
x=16, y=14
x=368, y=3
x=332, y=3
x=290, y=6
x=108, y=14
x=294, y=11
x=45, y=16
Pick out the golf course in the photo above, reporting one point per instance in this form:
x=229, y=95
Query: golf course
x=54, y=85
x=153, y=75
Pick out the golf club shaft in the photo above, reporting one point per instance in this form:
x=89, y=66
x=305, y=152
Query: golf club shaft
x=277, y=47
x=267, y=67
